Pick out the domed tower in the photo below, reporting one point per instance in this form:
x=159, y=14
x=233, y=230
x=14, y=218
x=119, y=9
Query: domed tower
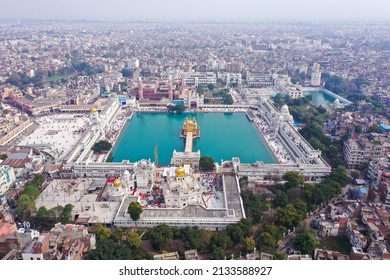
x=117, y=183
x=126, y=177
x=180, y=172
x=94, y=116
x=286, y=114
x=170, y=88
x=117, y=192
x=190, y=125
x=140, y=89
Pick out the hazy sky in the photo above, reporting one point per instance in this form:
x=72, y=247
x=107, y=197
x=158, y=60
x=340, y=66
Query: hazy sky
x=201, y=10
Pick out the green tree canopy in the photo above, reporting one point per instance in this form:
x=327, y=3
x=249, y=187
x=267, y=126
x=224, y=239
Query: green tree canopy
x=178, y=108
x=220, y=240
x=270, y=235
x=25, y=204
x=280, y=200
x=293, y=178
x=67, y=216
x=301, y=208
x=192, y=238
x=101, y=146
x=32, y=191
x=306, y=242
x=135, y=210
x=249, y=244
x=266, y=239
x=133, y=239
x=206, y=163
x=235, y=233
x=287, y=216
x=102, y=233
x=41, y=216
x=211, y=86
x=109, y=249
x=160, y=235
x=219, y=253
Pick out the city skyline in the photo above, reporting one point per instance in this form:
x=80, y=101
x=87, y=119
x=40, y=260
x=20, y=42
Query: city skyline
x=202, y=10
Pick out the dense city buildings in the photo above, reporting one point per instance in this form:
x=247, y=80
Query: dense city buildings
x=315, y=99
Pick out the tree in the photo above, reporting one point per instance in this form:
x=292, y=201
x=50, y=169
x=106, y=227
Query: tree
x=108, y=249
x=206, y=163
x=67, y=213
x=235, y=233
x=253, y=205
x=135, y=210
x=270, y=236
x=301, y=208
x=37, y=181
x=178, y=108
x=56, y=213
x=25, y=204
x=211, y=87
x=41, y=216
x=249, y=244
x=3, y=156
x=355, y=174
x=221, y=240
x=266, y=239
x=160, y=235
x=245, y=226
x=339, y=175
x=102, y=233
x=101, y=146
x=118, y=234
x=280, y=200
x=32, y=191
x=293, y=179
x=219, y=254
x=287, y=216
x=228, y=99
x=133, y=240
x=278, y=256
x=306, y=242
x=205, y=237
x=191, y=237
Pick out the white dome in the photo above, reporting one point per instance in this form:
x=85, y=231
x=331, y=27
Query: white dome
x=126, y=172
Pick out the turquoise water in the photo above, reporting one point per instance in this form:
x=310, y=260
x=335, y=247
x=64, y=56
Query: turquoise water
x=222, y=136
x=319, y=97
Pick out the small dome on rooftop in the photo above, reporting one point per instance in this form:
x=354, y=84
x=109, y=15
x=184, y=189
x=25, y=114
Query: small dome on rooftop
x=117, y=183
x=180, y=172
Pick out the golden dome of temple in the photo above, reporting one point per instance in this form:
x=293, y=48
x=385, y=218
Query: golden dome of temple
x=180, y=172
x=190, y=125
x=117, y=183
x=94, y=110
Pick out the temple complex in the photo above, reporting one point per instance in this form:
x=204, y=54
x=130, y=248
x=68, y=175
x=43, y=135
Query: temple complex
x=189, y=132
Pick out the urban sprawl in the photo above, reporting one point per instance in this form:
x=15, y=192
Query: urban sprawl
x=67, y=90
